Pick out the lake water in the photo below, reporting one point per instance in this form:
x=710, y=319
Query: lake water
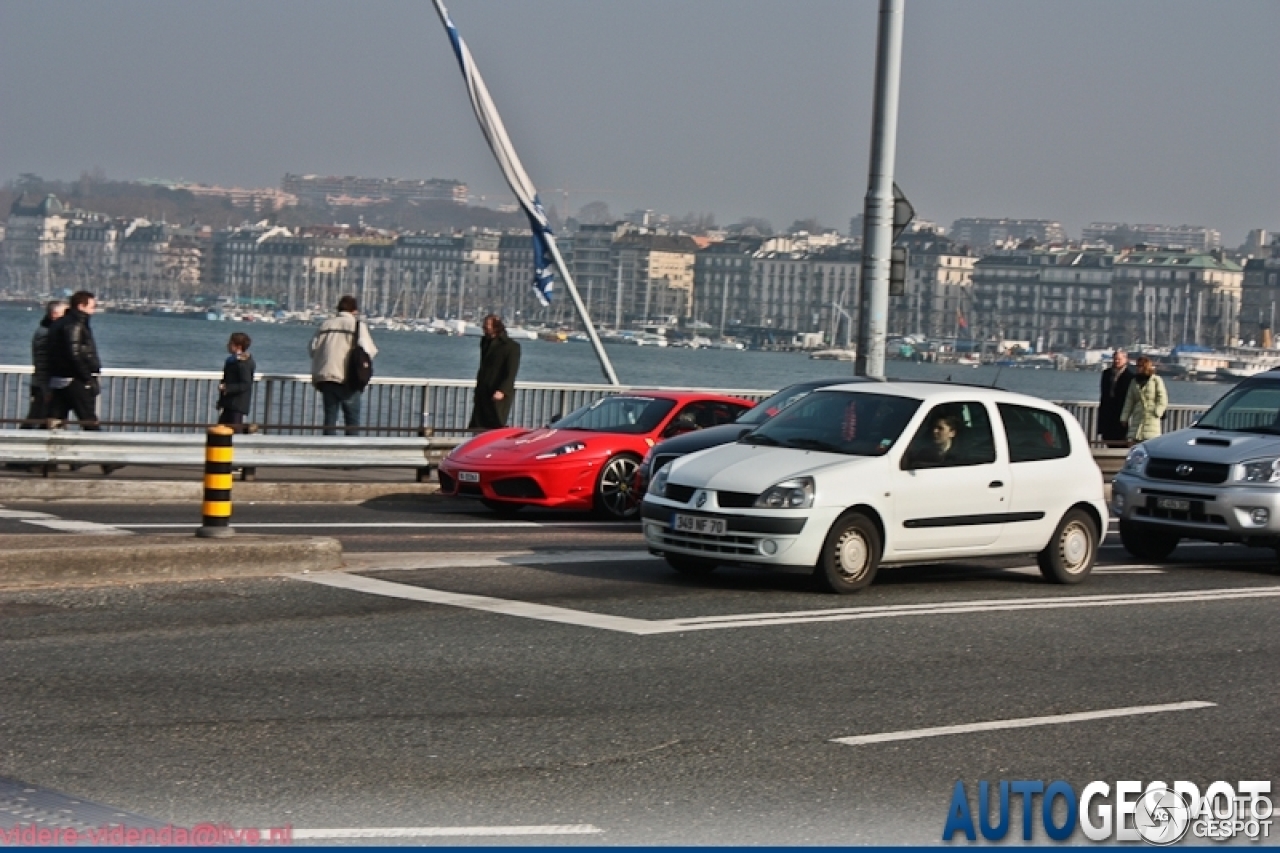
x=163, y=343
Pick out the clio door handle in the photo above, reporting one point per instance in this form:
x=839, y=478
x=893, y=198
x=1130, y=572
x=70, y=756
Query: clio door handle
x=996, y=484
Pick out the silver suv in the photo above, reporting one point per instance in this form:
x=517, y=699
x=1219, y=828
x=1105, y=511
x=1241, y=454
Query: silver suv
x=1218, y=481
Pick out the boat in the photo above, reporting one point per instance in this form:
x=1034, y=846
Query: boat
x=833, y=355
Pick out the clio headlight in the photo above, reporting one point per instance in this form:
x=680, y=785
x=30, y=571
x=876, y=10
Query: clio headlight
x=1259, y=471
x=563, y=450
x=1136, y=460
x=789, y=494
x=658, y=485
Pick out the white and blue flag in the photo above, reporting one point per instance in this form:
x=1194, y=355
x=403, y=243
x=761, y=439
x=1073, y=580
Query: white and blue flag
x=500, y=144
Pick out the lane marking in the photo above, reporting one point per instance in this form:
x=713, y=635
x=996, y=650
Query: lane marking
x=443, y=831
x=389, y=561
x=542, y=612
x=374, y=525
x=44, y=519
x=644, y=627
x=1023, y=723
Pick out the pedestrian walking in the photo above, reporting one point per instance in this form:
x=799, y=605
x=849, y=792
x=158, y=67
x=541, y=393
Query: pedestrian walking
x=496, y=378
x=1115, y=389
x=74, y=364
x=39, y=408
x=1145, y=403
x=330, y=355
x=235, y=392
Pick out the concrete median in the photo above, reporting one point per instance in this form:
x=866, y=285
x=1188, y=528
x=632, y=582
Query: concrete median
x=42, y=560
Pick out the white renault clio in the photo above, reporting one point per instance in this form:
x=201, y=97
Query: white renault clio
x=858, y=476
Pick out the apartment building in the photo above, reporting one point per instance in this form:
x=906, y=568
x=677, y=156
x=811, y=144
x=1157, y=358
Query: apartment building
x=1259, y=294
x=656, y=275
x=981, y=233
x=1056, y=298
x=1164, y=298
x=34, y=241
x=722, y=283
x=1119, y=235
x=936, y=299
x=323, y=189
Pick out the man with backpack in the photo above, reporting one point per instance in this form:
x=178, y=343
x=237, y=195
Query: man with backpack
x=342, y=352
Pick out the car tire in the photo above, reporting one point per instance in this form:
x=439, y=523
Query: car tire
x=615, y=496
x=502, y=507
x=850, y=555
x=1071, y=553
x=694, y=567
x=1146, y=542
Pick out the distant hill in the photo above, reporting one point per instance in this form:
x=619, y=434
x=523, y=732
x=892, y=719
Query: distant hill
x=130, y=199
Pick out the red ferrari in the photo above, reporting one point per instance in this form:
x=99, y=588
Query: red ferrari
x=587, y=460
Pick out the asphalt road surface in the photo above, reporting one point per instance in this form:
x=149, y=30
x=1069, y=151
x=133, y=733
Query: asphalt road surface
x=543, y=680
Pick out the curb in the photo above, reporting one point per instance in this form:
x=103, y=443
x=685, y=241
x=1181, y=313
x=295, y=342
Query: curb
x=170, y=491
x=29, y=561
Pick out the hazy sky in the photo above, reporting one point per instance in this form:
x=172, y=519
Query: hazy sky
x=1164, y=111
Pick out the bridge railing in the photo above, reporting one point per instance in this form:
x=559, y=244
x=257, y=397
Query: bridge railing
x=287, y=404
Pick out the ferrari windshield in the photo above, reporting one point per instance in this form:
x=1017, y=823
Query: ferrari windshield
x=632, y=415
x=1249, y=407
x=855, y=424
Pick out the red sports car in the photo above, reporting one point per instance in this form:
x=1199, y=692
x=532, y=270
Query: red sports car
x=586, y=460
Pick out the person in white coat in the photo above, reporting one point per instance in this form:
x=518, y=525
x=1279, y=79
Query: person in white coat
x=330, y=349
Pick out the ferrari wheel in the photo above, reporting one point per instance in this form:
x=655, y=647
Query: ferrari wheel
x=616, y=495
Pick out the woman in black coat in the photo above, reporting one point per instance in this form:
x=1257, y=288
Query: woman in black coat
x=496, y=378
x=235, y=400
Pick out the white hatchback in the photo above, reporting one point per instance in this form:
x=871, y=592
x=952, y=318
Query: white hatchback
x=858, y=476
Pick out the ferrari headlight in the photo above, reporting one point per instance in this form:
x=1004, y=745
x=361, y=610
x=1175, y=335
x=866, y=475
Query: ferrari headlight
x=789, y=494
x=1259, y=471
x=658, y=485
x=563, y=450
x=1136, y=460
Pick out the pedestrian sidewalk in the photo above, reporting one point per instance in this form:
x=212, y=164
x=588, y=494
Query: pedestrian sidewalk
x=164, y=484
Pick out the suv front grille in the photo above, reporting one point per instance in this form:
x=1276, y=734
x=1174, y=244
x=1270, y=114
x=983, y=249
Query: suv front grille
x=1200, y=472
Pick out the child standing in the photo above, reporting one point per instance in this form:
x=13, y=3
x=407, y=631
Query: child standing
x=235, y=398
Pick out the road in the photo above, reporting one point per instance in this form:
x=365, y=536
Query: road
x=545, y=678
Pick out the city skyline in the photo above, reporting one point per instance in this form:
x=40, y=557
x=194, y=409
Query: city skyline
x=1077, y=112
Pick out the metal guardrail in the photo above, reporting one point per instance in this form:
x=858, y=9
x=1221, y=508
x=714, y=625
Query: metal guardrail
x=178, y=400
x=52, y=447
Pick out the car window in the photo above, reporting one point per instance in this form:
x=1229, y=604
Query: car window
x=708, y=413
x=857, y=424
x=952, y=434
x=1250, y=408
x=769, y=407
x=632, y=415
x=1034, y=434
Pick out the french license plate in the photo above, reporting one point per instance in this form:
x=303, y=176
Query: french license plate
x=468, y=477
x=1173, y=504
x=698, y=524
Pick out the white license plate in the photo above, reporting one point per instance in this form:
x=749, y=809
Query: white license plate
x=698, y=524
x=468, y=477
x=1173, y=504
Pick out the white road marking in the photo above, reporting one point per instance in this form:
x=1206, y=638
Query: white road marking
x=627, y=625
x=44, y=519
x=375, y=525
x=383, y=561
x=545, y=613
x=442, y=831
x=1023, y=723
x=1097, y=570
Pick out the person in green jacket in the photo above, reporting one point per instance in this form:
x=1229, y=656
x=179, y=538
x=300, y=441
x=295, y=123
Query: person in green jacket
x=1145, y=403
x=496, y=378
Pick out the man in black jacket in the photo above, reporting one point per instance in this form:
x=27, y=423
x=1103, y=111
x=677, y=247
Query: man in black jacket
x=74, y=364
x=496, y=378
x=1115, y=387
x=39, y=408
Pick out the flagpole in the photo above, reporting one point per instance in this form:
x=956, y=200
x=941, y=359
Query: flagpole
x=605, y=364
x=504, y=152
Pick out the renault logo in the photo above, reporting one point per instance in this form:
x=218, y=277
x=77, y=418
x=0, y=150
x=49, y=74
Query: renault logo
x=1183, y=470
x=702, y=499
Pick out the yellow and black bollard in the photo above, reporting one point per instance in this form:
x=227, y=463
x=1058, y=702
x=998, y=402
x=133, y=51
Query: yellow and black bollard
x=217, y=484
